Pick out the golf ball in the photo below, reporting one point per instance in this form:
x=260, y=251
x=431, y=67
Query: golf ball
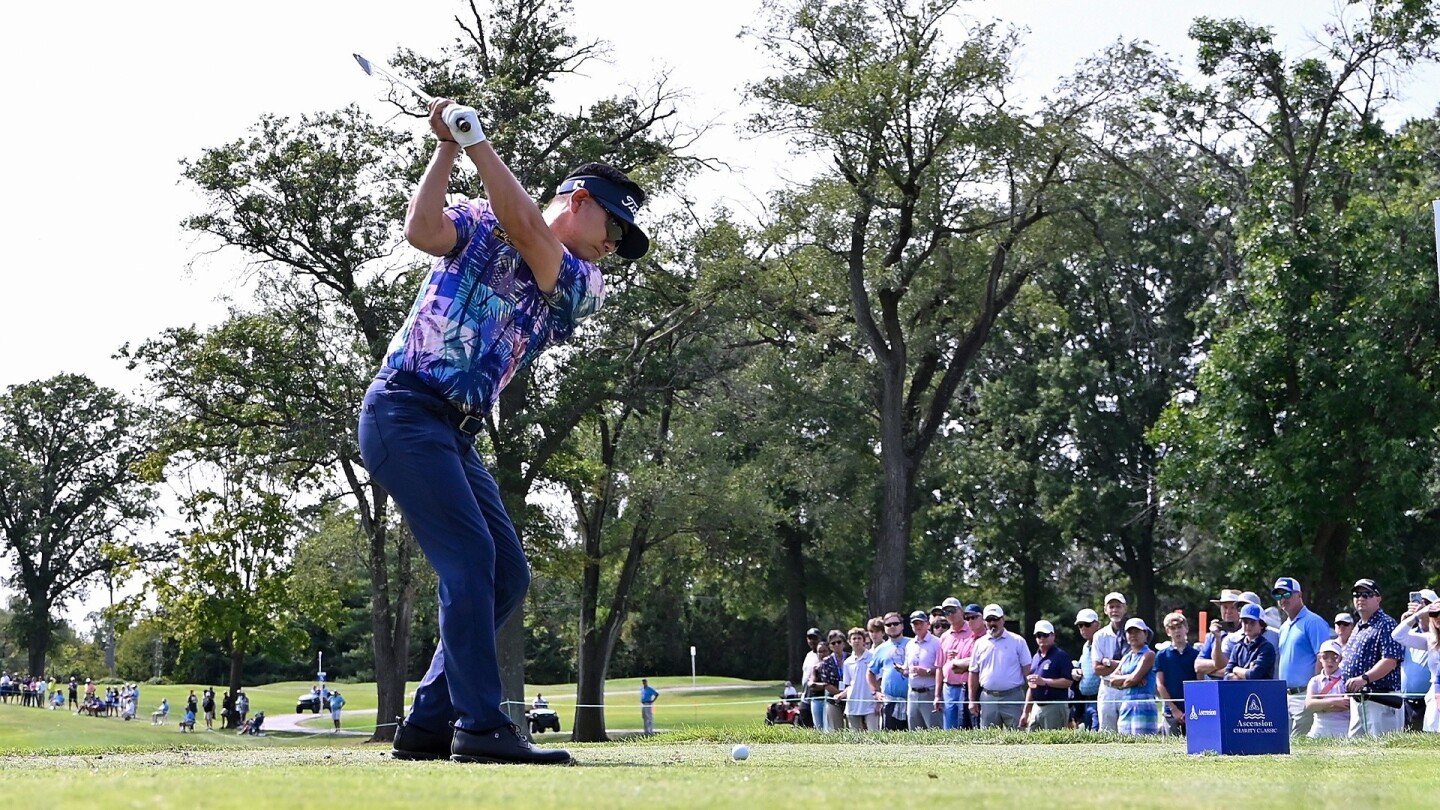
x=739, y=752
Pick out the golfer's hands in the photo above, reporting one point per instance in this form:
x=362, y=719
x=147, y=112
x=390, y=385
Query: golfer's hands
x=455, y=122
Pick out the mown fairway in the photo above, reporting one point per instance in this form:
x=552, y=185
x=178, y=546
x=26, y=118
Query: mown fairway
x=53, y=759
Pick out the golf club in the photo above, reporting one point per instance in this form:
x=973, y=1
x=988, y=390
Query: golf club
x=379, y=72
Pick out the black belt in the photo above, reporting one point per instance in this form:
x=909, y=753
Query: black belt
x=1001, y=691
x=919, y=689
x=458, y=419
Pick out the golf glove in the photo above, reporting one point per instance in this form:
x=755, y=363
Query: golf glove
x=464, y=125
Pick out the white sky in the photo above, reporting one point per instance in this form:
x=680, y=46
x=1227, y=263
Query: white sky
x=103, y=99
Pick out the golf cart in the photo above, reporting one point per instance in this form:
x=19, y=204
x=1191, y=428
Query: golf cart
x=541, y=719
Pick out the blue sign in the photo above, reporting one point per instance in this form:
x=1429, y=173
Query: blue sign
x=1236, y=717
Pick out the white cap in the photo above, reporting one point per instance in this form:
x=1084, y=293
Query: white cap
x=1045, y=627
x=1115, y=596
x=1273, y=617
x=1429, y=595
x=1137, y=623
x=1086, y=616
x=951, y=602
x=1331, y=645
x=993, y=611
x=1251, y=597
x=1344, y=617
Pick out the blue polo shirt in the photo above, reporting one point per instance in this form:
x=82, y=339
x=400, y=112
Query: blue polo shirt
x=1256, y=657
x=1177, y=667
x=1300, y=640
x=1054, y=664
x=884, y=659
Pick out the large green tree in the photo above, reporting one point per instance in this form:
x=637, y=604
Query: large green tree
x=932, y=209
x=73, y=501
x=1312, y=426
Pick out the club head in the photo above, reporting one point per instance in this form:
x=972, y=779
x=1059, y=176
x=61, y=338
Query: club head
x=364, y=64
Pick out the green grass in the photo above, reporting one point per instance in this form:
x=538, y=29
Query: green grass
x=55, y=759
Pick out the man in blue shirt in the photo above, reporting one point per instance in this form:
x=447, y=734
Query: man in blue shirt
x=887, y=675
x=1372, y=667
x=1253, y=657
x=648, y=696
x=1301, y=635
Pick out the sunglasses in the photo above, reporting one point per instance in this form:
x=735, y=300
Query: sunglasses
x=942, y=625
x=893, y=624
x=951, y=611
x=1043, y=635
x=1281, y=595
x=994, y=620
x=1364, y=594
x=835, y=641
x=614, y=230
x=970, y=617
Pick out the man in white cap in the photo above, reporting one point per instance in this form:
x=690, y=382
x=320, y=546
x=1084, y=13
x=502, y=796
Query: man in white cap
x=1087, y=683
x=1215, y=652
x=999, y=666
x=1109, y=647
x=1049, y=683
x=951, y=677
x=1301, y=636
x=922, y=659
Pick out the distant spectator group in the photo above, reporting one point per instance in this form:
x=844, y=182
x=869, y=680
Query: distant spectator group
x=122, y=701
x=957, y=666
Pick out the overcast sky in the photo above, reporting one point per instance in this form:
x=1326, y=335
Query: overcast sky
x=103, y=99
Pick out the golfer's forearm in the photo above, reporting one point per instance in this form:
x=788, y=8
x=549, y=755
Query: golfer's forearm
x=426, y=226
x=511, y=203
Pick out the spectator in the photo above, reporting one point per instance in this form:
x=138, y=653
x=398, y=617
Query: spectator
x=1325, y=699
x=74, y=694
x=952, y=676
x=999, y=667
x=1344, y=627
x=542, y=703
x=1301, y=635
x=1272, y=629
x=789, y=693
x=1419, y=630
x=1109, y=646
x=1174, y=665
x=192, y=703
x=57, y=701
x=227, y=710
x=187, y=723
x=1253, y=657
x=1215, y=652
x=648, y=696
x=862, y=712
x=207, y=705
x=337, y=702
x=1414, y=674
x=887, y=674
x=828, y=676
x=242, y=707
x=157, y=717
x=1372, y=667
x=1048, y=683
x=813, y=712
x=1087, y=683
x=876, y=628
x=1134, y=679
x=922, y=659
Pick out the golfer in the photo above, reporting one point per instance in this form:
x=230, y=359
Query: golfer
x=507, y=282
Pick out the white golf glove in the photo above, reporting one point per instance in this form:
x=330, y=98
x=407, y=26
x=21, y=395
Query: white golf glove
x=464, y=125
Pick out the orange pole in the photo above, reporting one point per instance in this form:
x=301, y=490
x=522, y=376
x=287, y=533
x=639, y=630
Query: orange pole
x=1204, y=625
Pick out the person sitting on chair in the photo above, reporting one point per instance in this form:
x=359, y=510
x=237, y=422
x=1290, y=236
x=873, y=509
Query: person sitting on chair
x=157, y=717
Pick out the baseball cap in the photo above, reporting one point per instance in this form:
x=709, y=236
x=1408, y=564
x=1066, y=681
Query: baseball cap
x=1045, y=627
x=1272, y=616
x=1344, y=618
x=1286, y=584
x=1250, y=598
x=1116, y=596
x=814, y=631
x=1137, y=623
x=1086, y=616
x=1332, y=646
x=1429, y=595
x=937, y=611
x=994, y=611
x=972, y=608
x=920, y=616
x=951, y=602
x=1366, y=584
x=620, y=203
x=1252, y=612
x=1227, y=595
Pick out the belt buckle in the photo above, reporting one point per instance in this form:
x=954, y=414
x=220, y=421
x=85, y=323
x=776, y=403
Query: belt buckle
x=464, y=426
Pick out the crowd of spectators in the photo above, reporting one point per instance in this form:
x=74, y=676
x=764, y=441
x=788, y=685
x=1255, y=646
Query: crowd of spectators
x=958, y=666
x=123, y=701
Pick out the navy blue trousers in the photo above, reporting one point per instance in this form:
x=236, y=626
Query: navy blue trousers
x=453, y=506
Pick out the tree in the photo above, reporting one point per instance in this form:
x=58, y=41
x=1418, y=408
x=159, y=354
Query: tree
x=932, y=215
x=229, y=581
x=71, y=495
x=1312, y=425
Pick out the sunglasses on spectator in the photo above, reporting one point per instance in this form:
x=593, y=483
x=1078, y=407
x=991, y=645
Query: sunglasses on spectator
x=835, y=641
x=942, y=625
x=970, y=617
x=1281, y=595
x=893, y=624
x=1364, y=594
x=949, y=611
x=1043, y=635
x=994, y=620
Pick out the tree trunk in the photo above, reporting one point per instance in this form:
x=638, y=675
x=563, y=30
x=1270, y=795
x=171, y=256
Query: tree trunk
x=589, y=722
x=392, y=608
x=1030, y=595
x=797, y=616
x=237, y=668
x=1332, y=547
x=892, y=536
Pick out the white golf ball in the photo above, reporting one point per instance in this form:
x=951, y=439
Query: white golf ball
x=740, y=752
